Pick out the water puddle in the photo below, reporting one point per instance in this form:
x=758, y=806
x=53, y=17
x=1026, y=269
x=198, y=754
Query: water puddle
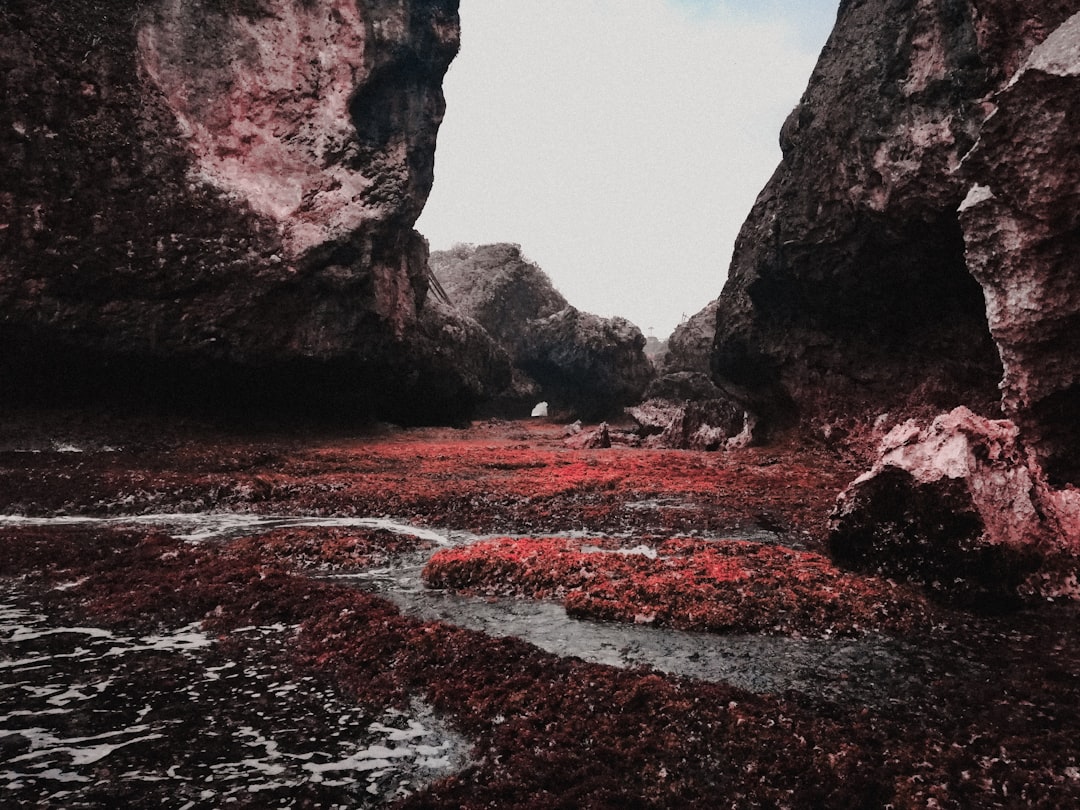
x=198, y=527
x=89, y=717
x=870, y=669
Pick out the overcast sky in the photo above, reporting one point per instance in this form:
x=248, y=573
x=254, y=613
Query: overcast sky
x=621, y=143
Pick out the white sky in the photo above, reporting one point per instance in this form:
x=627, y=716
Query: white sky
x=621, y=143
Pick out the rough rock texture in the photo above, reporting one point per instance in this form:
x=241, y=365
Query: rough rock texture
x=218, y=196
x=690, y=345
x=1021, y=223
x=683, y=407
x=588, y=364
x=963, y=507
x=701, y=423
x=848, y=291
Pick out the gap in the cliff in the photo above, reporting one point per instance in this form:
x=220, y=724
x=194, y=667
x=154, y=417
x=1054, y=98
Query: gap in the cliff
x=620, y=144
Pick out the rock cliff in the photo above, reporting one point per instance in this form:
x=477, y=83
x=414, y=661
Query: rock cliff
x=1021, y=222
x=915, y=252
x=589, y=365
x=215, y=199
x=849, y=292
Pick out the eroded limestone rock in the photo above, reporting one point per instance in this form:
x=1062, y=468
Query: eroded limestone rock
x=1021, y=222
x=215, y=199
x=590, y=365
x=963, y=506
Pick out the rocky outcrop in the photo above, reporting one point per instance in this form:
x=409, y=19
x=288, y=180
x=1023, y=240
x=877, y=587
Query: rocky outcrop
x=963, y=507
x=692, y=424
x=1021, y=221
x=683, y=408
x=219, y=196
x=915, y=248
x=690, y=345
x=589, y=365
x=848, y=290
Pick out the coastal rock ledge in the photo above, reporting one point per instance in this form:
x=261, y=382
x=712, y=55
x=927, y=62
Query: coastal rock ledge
x=213, y=201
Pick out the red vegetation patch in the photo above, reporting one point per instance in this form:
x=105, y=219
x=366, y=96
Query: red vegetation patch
x=557, y=732
x=691, y=584
x=489, y=478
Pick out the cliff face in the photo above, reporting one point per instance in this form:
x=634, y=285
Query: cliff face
x=590, y=365
x=1021, y=223
x=915, y=253
x=849, y=292
x=218, y=190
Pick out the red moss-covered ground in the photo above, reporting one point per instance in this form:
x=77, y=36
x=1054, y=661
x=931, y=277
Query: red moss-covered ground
x=999, y=728
x=499, y=476
x=685, y=583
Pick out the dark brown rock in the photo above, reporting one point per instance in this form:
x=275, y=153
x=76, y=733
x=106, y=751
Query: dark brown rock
x=848, y=291
x=194, y=208
x=1021, y=223
x=580, y=362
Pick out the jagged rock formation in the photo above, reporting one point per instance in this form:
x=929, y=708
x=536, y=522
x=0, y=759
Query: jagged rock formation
x=915, y=248
x=849, y=292
x=1021, y=224
x=216, y=197
x=962, y=507
x=683, y=408
x=590, y=365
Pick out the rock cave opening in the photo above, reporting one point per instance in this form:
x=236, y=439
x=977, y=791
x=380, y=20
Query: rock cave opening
x=897, y=292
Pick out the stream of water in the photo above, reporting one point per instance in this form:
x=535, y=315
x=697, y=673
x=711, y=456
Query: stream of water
x=870, y=669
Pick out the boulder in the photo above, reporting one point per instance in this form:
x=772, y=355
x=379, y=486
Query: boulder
x=962, y=506
x=704, y=424
x=580, y=362
x=685, y=411
x=205, y=200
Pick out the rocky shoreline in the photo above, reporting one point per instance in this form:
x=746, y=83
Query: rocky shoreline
x=984, y=716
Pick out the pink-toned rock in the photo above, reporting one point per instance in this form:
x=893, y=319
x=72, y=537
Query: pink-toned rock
x=1021, y=222
x=207, y=199
x=963, y=506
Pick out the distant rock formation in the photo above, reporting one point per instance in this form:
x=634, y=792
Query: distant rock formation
x=655, y=349
x=683, y=408
x=214, y=201
x=690, y=345
x=589, y=365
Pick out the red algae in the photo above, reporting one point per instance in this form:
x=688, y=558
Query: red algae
x=992, y=726
x=329, y=548
x=489, y=478
x=685, y=583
